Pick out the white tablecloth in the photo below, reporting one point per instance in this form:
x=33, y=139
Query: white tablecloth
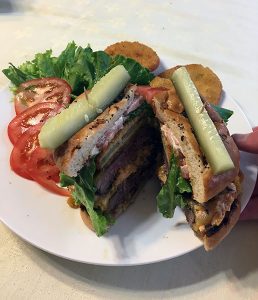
x=220, y=34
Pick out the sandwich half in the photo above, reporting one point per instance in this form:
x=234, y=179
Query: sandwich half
x=110, y=158
x=210, y=202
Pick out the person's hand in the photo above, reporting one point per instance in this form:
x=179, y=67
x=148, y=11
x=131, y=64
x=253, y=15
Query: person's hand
x=249, y=143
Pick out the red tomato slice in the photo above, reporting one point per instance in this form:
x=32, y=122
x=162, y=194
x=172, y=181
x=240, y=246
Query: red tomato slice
x=149, y=92
x=34, y=115
x=22, y=150
x=34, y=91
x=44, y=171
x=32, y=162
x=42, y=164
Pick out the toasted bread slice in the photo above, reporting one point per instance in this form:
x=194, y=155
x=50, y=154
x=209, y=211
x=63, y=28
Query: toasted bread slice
x=177, y=134
x=74, y=154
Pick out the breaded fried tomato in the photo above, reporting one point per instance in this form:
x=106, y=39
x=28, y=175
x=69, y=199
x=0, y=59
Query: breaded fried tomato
x=143, y=54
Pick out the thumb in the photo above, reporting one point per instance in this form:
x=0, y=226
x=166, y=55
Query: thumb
x=247, y=142
x=251, y=210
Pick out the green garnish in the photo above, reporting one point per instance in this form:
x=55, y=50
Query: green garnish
x=224, y=113
x=80, y=67
x=174, y=191
x=84, y=193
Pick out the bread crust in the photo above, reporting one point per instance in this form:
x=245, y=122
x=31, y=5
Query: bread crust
x=86, y=219
x=212, y=241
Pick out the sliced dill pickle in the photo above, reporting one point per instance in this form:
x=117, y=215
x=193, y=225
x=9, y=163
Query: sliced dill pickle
x=205, y=130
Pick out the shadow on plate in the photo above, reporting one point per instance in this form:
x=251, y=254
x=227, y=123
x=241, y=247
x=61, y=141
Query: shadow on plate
x=236, y=258
x=7, y=6
x=138, y=219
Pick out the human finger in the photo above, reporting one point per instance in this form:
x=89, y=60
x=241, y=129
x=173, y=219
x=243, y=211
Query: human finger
x=251, y=210
x=247, y=142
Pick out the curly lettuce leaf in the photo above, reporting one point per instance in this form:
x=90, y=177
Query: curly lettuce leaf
x=84, y=193
x=173, y=191
x=80, y=67
x=16, y=76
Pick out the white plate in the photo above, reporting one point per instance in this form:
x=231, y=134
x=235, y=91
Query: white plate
x=140, y=236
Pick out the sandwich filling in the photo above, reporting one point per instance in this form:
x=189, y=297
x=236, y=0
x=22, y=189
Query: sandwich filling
x=207, y=218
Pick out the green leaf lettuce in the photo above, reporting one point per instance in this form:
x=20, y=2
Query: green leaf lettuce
x=174, y=191
x=80, y=67
x=84, y=193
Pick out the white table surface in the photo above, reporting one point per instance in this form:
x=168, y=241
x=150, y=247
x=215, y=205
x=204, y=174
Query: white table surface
x=220, y=34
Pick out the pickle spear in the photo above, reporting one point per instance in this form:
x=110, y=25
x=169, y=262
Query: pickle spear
x=205, y=130
x=83, y=110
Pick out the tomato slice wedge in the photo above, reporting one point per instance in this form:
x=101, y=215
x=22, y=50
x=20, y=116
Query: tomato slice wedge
x=22, y=150
x=32, y=162
x=35, y=91
x=42, y=164
x=149, y=92
x=34, y=115
x=44, y=171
